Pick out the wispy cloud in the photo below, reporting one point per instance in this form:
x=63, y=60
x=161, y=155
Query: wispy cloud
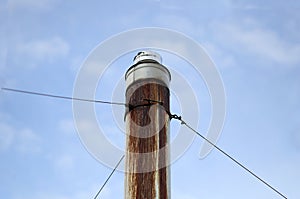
x=27, y=141
x=43, y=50
x=180, y=195
x=246, y=5
x=183, y=24
x=295, y=138
x=6, y=136
x=265, y=43
x=40, y=5
x=76, y=62
x=221, y=58
x=67, y=126
x=3, y=48
x=21, y=140
x=65, y=162
x=3, y=53
x=88, y=192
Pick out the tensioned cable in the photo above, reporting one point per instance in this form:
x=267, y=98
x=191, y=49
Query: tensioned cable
x=226, y=154
x=62, y=97
x=171, y=116
x=109, y=176
x=78, y=99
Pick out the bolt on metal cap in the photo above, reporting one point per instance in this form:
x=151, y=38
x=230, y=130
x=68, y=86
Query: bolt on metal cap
x=147, y=55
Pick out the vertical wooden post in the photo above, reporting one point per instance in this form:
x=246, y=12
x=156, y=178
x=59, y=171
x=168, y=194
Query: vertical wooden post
x=147, y=128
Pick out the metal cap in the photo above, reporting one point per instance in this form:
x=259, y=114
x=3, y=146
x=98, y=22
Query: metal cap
x=147, y=55
x=147, y=65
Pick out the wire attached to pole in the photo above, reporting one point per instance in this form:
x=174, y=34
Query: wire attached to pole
x=172, y=116
x=226, y=154
x=62, y=97
x=109, y=177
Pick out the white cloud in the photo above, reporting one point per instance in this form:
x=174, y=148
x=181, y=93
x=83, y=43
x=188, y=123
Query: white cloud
x=43, y=50
x=27, y=141
x=3, y=48
x=251, y=7
x=183, y=24
x=219, y=56
x=4, y=117
x=295, y=138
x=40, y=5
x=171, y=7
x=67, y=126
x=21, y=140
x=179, y=195
x=43, y=195
x=3, y=53
x=6, y=136
x=76, y=63
x=246, y=5
x=64, y=162
x=88, y=192
x=262, y=42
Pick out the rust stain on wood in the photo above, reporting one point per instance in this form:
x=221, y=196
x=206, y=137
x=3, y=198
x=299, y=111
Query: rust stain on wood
x=147, y=143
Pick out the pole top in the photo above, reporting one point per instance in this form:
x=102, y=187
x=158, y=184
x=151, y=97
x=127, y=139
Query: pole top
x=147, y=55
x=147, y=65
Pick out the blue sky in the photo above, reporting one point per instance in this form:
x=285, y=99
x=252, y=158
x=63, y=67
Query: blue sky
x=255, y=46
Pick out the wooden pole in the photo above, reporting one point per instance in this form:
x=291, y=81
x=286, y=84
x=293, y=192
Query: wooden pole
x=147, y=128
